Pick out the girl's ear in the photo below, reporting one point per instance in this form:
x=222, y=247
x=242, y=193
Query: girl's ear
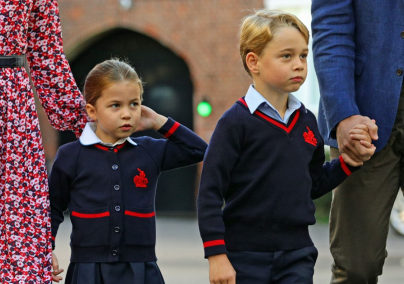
x=91, y=111
x=252, y=60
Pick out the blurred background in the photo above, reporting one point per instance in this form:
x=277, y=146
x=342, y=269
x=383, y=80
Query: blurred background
x=186, y=52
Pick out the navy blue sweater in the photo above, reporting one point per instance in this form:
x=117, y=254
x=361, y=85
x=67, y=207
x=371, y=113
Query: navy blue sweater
x=110, y=192
x=267, y=174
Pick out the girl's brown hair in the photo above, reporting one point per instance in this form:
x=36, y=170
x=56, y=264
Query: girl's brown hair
x=259, y=29
x=105, y=74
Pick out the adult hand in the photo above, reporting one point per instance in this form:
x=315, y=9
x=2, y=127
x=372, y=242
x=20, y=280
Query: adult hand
x=353, y=151
x=55, y=269
x=220, y=270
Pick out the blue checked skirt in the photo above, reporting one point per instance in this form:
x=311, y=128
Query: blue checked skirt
x=114, y=273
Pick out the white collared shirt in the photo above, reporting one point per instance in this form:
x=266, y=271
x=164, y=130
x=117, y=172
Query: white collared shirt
x=256, y=101
x=88, y=137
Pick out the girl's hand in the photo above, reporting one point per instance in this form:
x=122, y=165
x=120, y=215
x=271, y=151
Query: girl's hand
x=150, y=119
x=55, y=267
x=220, y=270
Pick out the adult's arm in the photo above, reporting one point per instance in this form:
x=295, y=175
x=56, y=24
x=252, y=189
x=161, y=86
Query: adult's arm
x=50, y=71
x=333, y=27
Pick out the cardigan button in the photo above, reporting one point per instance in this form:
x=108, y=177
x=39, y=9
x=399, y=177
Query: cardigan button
x=114, y=167
x=402, y=34
x=116, y=187
x=117, y=229
x=114, y=252
x=117, y=208
x=399, y=72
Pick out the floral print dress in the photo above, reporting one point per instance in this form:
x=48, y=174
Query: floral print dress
x=30, y=27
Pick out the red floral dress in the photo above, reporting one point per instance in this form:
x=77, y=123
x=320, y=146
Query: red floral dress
x=30, y=27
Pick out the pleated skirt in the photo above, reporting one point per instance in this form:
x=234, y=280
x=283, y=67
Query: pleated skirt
x=114, y=273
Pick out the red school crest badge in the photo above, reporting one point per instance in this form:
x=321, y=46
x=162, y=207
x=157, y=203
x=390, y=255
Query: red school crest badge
x=140, y=180
x=309, y=137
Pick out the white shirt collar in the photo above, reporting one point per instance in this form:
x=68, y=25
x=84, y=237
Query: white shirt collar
x=254, y=99
x=88, y=137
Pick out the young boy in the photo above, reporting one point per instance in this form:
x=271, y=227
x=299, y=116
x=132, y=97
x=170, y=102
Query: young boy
x=265, y=162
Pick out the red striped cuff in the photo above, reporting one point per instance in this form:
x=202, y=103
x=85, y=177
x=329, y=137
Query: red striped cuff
x=344, y=166
x=213, y=243
x=172, y=130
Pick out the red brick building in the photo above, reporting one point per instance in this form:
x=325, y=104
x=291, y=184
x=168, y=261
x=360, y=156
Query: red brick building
x=185, y=50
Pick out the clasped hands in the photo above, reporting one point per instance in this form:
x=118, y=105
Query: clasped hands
x=354, y=136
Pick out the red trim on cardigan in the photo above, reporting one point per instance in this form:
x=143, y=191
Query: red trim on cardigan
x=243, y=101
x=99, y=146
x=213, y=243
x=344, y=166
x=53, y=238
x=85, y=215
x=105, y=148
x=121, y=145
x=172, y=130
x=141, y=215
x=273, y=121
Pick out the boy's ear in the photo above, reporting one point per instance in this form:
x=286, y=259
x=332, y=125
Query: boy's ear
x=92, y=113
x=252, y=62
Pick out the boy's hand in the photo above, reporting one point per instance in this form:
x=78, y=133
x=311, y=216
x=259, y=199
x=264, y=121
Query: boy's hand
x=55, y=269
x=361, y=133
x=150, y=119
x=220, y=270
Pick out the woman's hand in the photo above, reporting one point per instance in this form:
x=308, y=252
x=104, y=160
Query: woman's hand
x=55, y=269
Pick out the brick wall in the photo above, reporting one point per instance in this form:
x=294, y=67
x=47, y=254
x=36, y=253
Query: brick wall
x=203, y=33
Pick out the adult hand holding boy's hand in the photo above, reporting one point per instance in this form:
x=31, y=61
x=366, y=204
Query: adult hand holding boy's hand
x=220, y=270
x=353, y=152
x=361, y=133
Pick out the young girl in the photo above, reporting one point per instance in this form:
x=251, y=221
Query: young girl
x=108, y=180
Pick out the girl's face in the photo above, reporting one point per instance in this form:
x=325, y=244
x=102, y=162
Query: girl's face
x=117, y=111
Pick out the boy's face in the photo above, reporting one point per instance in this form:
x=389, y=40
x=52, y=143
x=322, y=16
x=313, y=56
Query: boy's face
x=282, y=65
x=117, y=112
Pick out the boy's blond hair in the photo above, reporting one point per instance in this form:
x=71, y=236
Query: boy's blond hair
x=258, y=29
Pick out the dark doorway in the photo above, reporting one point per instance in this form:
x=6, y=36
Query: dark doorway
x=168, y=91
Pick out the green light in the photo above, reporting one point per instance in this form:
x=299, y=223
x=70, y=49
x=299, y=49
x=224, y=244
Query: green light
x=204, y=109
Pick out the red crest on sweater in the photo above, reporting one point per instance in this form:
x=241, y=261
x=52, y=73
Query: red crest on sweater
x=309, y=137
x=140, y=180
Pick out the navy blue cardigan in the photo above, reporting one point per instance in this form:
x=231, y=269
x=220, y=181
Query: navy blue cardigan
x=266, y=173
x=110, y=192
